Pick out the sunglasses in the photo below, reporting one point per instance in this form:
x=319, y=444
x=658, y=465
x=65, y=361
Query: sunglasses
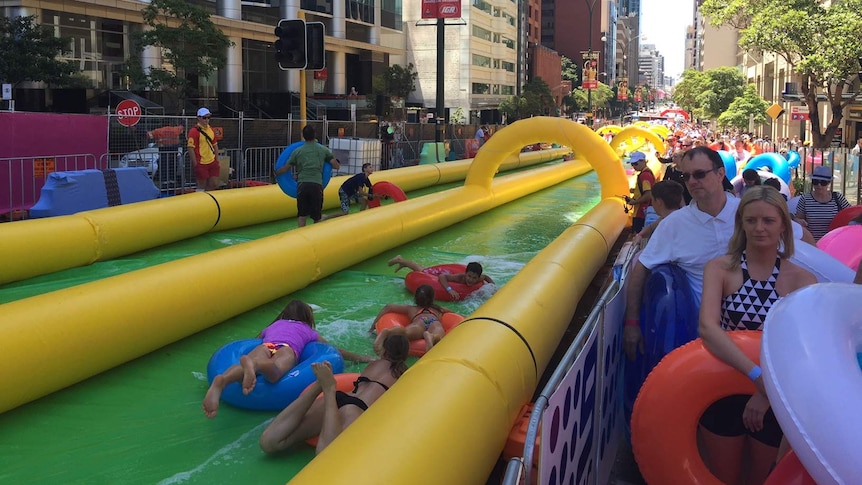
x=697, y=175
x=685, y=144
x=820, y=182
x=204, y=117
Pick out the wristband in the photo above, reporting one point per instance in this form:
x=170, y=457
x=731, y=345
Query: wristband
x=448, y=288
x=755, y=373
x=631, y=322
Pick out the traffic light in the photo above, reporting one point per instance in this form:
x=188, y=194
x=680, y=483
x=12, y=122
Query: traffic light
x=315, y=52
x=290, y=48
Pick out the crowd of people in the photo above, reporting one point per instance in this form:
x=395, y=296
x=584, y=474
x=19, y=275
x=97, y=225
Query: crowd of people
x=735, y=250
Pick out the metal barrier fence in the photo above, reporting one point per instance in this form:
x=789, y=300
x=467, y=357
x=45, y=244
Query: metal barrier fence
x=22, y=178
x=846, y=177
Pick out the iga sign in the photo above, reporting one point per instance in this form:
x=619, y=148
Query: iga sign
x=128, y=112
x=441, y=9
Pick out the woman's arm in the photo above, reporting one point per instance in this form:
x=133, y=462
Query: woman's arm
x=348, y=355
x=391, y=308
x=716, y=340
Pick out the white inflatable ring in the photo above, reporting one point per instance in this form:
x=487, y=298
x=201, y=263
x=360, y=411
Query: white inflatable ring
x=821, y=264
x=809, y=356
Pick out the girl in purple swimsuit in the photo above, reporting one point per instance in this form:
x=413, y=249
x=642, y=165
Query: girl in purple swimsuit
x=283, y=342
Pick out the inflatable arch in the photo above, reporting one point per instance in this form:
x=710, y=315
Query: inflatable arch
x=590, y=146
x=604, y=130
x=630, y=132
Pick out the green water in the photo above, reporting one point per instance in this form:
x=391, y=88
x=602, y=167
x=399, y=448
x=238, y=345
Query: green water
x=142, y=422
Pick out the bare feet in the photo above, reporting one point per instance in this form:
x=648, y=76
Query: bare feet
x=211, y=400
x=397, y=260
x=323, y=373
x=429, y=340
x=249, y=377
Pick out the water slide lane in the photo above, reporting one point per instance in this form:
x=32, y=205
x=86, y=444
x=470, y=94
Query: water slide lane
x=31, y=246
x=141, y=422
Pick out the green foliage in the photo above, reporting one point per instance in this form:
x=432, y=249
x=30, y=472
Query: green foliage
x=536, y=100
x=457, y=117
x=708, y=94
x=570, y=70
x=738, y=113
x=28, y=52
x=399, y=81
x=602, y=96
x=190, y=43
x=819, y=40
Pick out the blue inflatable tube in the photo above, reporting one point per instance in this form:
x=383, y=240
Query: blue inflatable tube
x=267, y=396
x=729, y=164
x=793, y=159
x=286, y=181
x=776, y=163
x=669, y=319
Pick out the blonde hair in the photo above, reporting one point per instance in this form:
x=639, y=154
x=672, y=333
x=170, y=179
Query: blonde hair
x=772, y=197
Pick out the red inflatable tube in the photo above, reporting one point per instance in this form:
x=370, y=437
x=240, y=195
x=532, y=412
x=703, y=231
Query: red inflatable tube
x=428, y=276
x=387, y=189
x=417, y=347
x=344, y=383
x=671, y=402
x=844, y=216
x=789, y=471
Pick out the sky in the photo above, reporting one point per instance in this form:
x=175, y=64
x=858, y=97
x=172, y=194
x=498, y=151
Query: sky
x=663, y=23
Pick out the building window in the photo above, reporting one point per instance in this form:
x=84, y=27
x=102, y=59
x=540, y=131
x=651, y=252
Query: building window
x=508, y=43
x=507, y=90
x=391, y=14
x=481, y=33
x=509, y=18
x=509, y=66
x=481, y=61
x=481, y=88
x=483, y=6
x=495, y=89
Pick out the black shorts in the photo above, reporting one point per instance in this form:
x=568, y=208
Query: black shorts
x=638, y=224
x=309, y=200
x=724, y=418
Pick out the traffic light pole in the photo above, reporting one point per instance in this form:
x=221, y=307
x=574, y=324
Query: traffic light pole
x=302, y=88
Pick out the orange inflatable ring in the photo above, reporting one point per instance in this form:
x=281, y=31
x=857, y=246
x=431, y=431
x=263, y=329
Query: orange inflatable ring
x=428, y=276
x=671, y=402
x=417, y=347
x=387, y=189
x=344, y=383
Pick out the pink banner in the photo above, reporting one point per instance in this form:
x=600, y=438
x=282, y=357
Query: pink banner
x=441, y=9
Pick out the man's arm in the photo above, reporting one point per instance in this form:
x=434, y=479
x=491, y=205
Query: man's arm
x=632, y=338
x=192, y=146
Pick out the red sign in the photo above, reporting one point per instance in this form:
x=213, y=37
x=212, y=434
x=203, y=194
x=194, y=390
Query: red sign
x=321, y=75
x=799, y=113
x=128, y=112
x=441, y=9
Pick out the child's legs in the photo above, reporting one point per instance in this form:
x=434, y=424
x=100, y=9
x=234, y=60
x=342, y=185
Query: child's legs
x=414, y=331
x=436, y=330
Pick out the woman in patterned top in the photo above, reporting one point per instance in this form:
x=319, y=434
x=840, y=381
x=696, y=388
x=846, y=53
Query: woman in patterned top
x=739, y=288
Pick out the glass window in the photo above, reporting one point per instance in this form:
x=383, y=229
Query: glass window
x=481, y=61
x=508, y=43
x=507, y=90
x=509, y=66
x=495, y=89
x=391, y=14
x=481, y=33
x=481, y=88
x=509, y=18
x=483, y=6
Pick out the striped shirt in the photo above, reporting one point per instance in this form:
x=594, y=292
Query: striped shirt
x=818, y=214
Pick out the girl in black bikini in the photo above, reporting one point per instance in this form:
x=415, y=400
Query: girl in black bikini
x=424, y=319
x=308, y=416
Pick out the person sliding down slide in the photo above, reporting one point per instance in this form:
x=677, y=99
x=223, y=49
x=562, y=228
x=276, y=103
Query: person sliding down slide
x=471, y=276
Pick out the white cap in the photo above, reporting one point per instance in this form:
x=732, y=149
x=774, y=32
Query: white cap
x=204, y=112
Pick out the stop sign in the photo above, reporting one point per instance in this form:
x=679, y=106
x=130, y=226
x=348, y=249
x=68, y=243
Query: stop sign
x=128, y=112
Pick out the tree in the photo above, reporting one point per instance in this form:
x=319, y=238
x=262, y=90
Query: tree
x=192, y=47
x=601, y=97
x=708, y=94
x=820, y=41
x=395, y=81
x=686, y=92
x=29, y=51
x=569, y=70
x=536, y=100
x=740, y=111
